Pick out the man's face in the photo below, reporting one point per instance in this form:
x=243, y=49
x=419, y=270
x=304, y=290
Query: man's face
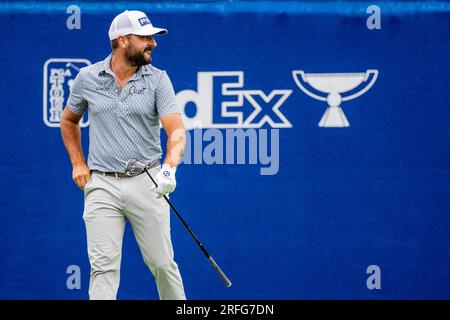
x=139, y=51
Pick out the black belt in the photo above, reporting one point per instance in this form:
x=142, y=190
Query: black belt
x=113, y=174
x=124, y=175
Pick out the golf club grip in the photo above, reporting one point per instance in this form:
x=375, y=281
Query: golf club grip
x=222, y=275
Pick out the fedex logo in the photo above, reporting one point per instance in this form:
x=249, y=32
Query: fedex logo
x=221, y=102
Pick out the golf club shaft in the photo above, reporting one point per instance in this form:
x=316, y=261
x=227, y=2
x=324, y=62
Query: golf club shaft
x=224, y=278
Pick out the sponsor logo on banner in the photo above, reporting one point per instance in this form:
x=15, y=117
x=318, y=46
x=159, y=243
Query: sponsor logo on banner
x=334, y=88
x=59, y=74
x=222, y=102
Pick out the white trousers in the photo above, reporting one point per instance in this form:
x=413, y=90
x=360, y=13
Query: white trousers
x=109, y=202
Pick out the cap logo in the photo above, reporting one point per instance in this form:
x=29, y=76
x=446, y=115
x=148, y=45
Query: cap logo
x=144, y=21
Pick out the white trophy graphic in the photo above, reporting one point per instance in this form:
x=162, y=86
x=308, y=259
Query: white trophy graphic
x=334, y=85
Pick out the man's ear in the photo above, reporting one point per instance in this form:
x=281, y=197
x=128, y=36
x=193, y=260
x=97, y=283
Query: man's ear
x=123, y=42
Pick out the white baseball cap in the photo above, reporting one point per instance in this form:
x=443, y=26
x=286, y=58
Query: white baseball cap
x=132, y=22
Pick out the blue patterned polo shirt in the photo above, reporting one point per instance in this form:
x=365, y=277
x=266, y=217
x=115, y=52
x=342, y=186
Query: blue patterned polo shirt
x=123, y=124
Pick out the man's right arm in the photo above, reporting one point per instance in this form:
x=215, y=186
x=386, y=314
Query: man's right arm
x=71, y=135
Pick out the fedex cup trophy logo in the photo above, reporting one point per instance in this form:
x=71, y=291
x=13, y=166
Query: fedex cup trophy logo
x=334, y=85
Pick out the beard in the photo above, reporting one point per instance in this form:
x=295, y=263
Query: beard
x=137, y=58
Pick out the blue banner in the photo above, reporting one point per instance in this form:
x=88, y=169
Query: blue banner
x=317, y=160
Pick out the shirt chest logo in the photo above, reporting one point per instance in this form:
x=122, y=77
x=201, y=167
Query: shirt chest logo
x=135, y=90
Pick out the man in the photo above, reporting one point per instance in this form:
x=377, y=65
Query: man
x=127, y=98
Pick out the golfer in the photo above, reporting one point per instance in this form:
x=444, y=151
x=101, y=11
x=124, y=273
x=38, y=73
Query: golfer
x=126, y=98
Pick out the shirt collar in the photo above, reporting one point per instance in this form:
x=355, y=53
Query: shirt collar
x=146, y=70
x=106, y=67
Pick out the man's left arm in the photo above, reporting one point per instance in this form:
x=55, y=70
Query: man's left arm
x=176, y=138
x=172, y=123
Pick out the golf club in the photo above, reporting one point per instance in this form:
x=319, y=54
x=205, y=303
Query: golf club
x=135, y=167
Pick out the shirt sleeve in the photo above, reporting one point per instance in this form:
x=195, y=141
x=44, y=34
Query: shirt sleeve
x=76, y=102
x=165, y=97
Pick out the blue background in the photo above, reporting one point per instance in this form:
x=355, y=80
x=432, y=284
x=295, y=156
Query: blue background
x=376, y=192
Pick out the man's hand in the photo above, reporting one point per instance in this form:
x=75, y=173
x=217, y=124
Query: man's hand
x=71, y=134
x=165, y=180
x=81, y=175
